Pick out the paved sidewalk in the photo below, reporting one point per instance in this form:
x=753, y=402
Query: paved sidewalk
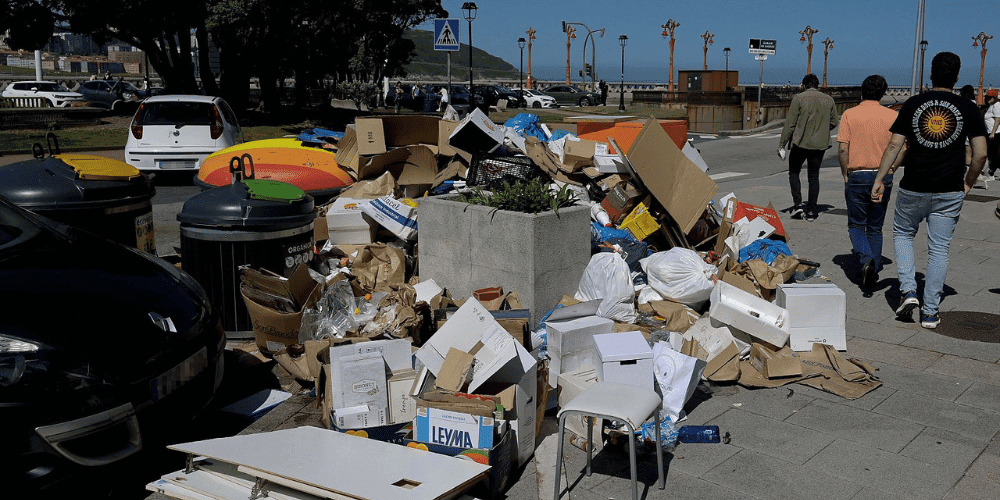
x=930, y=432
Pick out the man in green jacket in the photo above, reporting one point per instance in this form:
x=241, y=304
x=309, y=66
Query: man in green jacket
x=811, y=117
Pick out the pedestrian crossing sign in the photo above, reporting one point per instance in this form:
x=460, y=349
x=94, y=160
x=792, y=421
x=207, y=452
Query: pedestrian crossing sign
x=446, y=34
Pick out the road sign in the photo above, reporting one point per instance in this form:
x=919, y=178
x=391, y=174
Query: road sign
x=762, y=46
x=760, y=57
x=446, y=34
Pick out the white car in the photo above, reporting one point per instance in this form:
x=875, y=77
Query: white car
x=177, y=132
x=536, y=99
x=56, y=93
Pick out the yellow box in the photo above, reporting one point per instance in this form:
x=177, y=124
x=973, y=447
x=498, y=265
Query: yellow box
x=640, y=223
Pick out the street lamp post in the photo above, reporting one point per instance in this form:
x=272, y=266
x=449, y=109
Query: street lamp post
x=531, y=36
x=923, y=49
x=982, y=38
x=709, y=38
x=593, y=52
x=726, y=51
x=808, y=34
x=570, y=35
x=520, y=75
x=621, y=90
x=668, y=30
x=827, y=45
x=469, y=9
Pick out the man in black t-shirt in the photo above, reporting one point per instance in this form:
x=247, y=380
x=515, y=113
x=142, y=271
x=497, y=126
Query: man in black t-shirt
x=933, y=129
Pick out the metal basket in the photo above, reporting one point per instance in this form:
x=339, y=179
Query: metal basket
x=491, y=170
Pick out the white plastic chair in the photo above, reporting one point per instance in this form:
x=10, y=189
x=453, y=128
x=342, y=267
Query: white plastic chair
x=632, y=405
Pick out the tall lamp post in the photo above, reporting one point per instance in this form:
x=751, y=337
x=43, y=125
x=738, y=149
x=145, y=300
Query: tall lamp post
x=808, y=34
x=668, y=30
x=520, y=75
x=593, y=51
x=923, y=49
x=709, y=38
x=469, y=9
x=726, y=51
x=622, y=39
x=570, y=35
x=531, y=36
x=827, y=45
x=981, y=38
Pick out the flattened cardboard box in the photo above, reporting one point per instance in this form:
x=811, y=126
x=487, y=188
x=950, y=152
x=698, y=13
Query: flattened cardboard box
x=674, y=180
x=773, y=364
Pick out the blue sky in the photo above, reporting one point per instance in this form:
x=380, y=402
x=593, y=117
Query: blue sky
x=869, y=36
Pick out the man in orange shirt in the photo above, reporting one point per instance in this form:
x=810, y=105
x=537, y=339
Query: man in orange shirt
x=863, y=137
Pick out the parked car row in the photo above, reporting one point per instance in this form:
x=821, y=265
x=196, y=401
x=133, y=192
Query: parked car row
x=551, y=97
x=107, y=94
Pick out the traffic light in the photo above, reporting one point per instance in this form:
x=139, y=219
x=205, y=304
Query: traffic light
x=589, y=70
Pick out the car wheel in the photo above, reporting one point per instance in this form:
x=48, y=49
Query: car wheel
x=585, y=101
x=536, y=105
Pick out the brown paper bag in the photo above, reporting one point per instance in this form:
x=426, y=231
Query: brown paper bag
x=678, y=317
x=835, y=373
x=384, y=185
x=397, y=316
x=378, y=266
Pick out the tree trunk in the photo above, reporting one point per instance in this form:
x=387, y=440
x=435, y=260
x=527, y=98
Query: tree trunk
x=204, y=64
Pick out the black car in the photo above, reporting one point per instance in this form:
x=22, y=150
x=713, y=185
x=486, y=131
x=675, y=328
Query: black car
x=571, y=95
x=492, y=94
x=102, y=348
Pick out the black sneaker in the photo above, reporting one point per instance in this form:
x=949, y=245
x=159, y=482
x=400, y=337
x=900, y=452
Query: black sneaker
x=910, y=302
x=930, y=320
x=869, y=277
x=810, y=215
x=797, y=213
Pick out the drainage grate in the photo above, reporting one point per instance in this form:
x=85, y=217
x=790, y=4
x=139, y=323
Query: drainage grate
x=965, y=325
x=982, y=198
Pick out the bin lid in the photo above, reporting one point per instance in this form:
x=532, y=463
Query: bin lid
x=72, y=181
x=250, y=203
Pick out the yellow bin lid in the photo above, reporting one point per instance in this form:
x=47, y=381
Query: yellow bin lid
x=92, y=167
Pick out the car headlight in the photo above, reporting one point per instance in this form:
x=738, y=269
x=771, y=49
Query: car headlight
x=14, y=357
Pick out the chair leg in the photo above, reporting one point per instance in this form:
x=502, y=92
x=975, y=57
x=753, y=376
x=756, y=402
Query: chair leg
x=559, y=455
x=590, y=441
x=631, y=462
x=659, y=450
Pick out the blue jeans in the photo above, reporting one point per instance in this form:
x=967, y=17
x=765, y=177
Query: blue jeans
x=941, y=211
x=865, y=217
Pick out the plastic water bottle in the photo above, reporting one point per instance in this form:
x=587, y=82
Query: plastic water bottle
x=598, y=213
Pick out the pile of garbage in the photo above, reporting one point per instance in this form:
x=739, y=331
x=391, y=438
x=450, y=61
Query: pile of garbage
x=397, y=354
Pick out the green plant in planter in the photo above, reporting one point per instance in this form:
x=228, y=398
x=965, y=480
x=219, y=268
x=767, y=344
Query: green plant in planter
x=529, y=197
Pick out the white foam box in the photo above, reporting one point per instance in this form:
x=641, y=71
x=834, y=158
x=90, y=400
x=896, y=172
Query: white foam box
x=348, y=225
x=571, y=344
x=626, y=359
x=817, y=313
x=749, y=314
x=360, y=379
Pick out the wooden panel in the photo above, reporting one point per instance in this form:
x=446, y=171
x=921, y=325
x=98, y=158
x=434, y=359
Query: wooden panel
x=349, y=465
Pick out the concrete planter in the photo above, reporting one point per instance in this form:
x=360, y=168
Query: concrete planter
x=466, y=247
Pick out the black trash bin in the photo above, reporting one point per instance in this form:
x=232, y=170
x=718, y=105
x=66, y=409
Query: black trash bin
x=107, y=197
x=255, y=222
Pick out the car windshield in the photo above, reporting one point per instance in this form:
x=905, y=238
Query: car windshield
x=177, y=113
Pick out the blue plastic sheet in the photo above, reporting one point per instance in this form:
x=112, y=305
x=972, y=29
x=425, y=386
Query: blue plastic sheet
x=527, y=125
x=558, y=134
x=319, y=135
x=764, y=249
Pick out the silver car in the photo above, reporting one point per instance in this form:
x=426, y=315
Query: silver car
x=109, y=94
x=177, y=132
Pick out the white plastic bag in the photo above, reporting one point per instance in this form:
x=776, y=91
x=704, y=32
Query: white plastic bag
x=681, y=275
x=677, y=376
x=607, y=278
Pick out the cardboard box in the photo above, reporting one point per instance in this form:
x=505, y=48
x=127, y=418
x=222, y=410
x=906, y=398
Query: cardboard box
x=449, y=428
x=347, y=224
x=398, y=216
x=360, y=379
x=748, y=313
x=817, y=313
x=274, y=329
x=402, y=406
x=445, y=128
x=773, y=364
x=620, y=200
x=498, y=458
x=520, y=403
x=476, y=133
x=359, y=417
x=397, y=353
x=640, y=223
x=398, y=433
x=376, y=135
x=609, y=164
x=579, y=152
x=626, y=359
x=571, y=344
x=674, y=180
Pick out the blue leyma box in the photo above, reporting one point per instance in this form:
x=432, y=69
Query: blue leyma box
x=453, y=429
x=498, y=457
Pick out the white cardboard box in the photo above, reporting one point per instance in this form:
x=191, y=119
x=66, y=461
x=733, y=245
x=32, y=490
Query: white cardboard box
x=395, y=352
x=571, y=384
x=571, y=344
x=347, y=224
x=817, y=313
x=748, y=313
x=359, y=417
x=626, y=359
x=359, y=379
x=402, y=406
x=450, y=428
